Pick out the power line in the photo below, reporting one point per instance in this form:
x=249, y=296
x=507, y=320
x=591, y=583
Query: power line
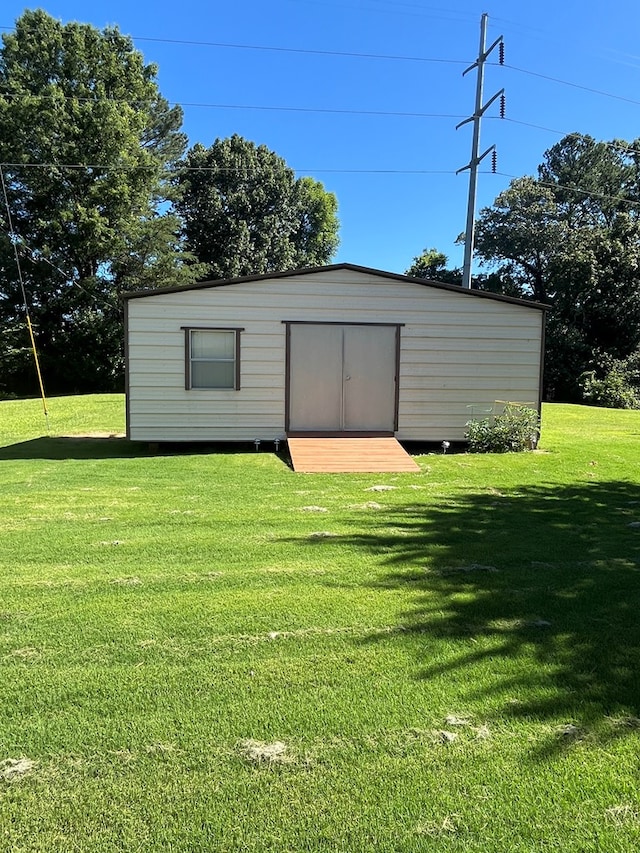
x=278, y=108
x=387, y=57
x=572, y=85
x=222, y=169
x=38, y=257
x=550, y=184
x=278, y=49
x=353, y=54
x=76, y=166
x=578, y=190
x=14, y=239
x=623, y=149
x=307, y=51
x=530, y=124
x=457, y=16
x=607, y=54
x=266, y=107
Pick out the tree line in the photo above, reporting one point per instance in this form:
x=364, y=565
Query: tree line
x=102, y=197
x=570, y=238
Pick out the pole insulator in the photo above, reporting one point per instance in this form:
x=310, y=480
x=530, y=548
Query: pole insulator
x=501, y=52
x=494, y=161
x=503, y=106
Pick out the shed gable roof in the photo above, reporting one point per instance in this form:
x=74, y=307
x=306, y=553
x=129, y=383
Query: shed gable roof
x=453, y=288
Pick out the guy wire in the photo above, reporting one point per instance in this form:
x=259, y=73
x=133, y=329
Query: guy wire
x=24, y=298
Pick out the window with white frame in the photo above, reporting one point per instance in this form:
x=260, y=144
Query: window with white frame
x=212, y=358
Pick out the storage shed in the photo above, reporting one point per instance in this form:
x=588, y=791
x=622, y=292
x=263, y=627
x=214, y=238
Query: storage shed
x=336, y=350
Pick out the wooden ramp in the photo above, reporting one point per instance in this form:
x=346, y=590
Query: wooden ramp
x=349, y=455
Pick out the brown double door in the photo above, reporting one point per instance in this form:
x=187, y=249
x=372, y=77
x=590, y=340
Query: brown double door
x=342, y=378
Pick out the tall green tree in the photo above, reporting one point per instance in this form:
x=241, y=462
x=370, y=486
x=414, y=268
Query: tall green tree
x=432, y=264
x=571, y=238
x=88, y=147
x=245, y=212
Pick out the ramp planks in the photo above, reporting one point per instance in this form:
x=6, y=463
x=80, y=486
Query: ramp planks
x=349, y=455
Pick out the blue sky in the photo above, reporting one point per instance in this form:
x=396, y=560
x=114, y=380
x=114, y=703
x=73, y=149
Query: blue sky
x=394, y=175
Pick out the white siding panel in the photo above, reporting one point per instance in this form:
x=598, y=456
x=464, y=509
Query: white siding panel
x=210, y=433
x=282, y=300
x=453, y=345
x=424, y=390
x=148, y=389
x=474, y=328
x=459, y=398
x=203, y=419
x=261, y=376
x=425, y=363
x=208, y=407
x=335, y=309
x=145, y=363
x=457, y=350
x=157, y=352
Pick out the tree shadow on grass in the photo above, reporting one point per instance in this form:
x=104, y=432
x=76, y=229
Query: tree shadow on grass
x=74, y=447
x=113, y=447
x=540, y=586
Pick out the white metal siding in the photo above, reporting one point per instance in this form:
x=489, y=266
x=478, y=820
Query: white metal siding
x=457, y=351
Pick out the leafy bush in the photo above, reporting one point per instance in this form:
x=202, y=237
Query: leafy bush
x=618, y=386
x=514, y=430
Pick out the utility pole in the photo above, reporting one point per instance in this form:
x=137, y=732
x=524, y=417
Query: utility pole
x=475, y=145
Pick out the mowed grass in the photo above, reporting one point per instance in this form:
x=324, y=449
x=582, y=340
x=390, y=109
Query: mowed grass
x=450, y=658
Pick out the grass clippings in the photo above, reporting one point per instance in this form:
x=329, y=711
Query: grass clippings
x=15, y=768
x=28, y=653
x=130, y=581
x=162, y=749
x=446, y=736
x=626, y=722
x=258, y=752
x=448, y=825
x=481, y=732
x=570, y=732
x=622, y=814
x=453, y=720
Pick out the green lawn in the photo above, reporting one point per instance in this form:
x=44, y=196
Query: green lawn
x=448, y=664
